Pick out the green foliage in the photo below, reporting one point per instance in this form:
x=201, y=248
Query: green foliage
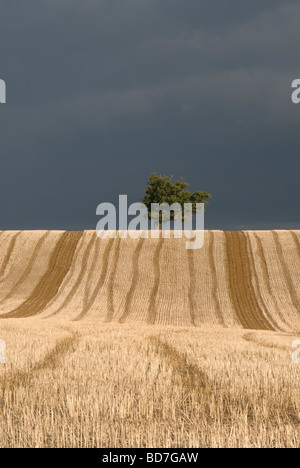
x=161, y=189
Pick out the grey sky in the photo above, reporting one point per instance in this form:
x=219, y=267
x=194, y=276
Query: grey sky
x=102, y=92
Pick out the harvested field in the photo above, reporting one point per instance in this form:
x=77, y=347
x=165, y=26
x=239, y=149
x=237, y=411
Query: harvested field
x=81, y=384
x=245, y=279
x=142, y=343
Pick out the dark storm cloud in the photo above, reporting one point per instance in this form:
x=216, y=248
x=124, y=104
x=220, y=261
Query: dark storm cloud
x=100, y=93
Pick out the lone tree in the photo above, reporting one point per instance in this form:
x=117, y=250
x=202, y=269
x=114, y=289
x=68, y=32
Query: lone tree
x=161, y=190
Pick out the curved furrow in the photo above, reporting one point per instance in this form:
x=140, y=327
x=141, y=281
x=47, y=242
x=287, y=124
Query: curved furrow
x=195, y=381
x=9, y=253
x=89, y=282
x=135, y=272
x=258, y=340
x=79, y=279
x=1, y=234
x=214, y=277
x=286, y=273
x=65, y=285
x=191, y=267
x=273, y=325
x=110, y=287
x=240, y=285
x=100, y=282
x=48, y=286
x=296, y=242
x=192, y=377
x=153, y=297
x=263, y=263
x=14, y=379
x=266, y=278
x=28, y=268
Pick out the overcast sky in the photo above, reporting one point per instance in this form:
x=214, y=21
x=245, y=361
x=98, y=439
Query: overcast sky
x=102, y=92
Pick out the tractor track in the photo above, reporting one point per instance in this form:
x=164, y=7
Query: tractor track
x=242, y=292
x=48, y=286
x=135, y=272
x=153, y=298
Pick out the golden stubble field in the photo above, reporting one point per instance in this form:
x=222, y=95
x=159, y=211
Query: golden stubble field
x=112, y=385
x=140, y=343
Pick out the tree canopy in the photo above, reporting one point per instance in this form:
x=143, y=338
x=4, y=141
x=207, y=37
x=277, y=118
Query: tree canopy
x=162, y=189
